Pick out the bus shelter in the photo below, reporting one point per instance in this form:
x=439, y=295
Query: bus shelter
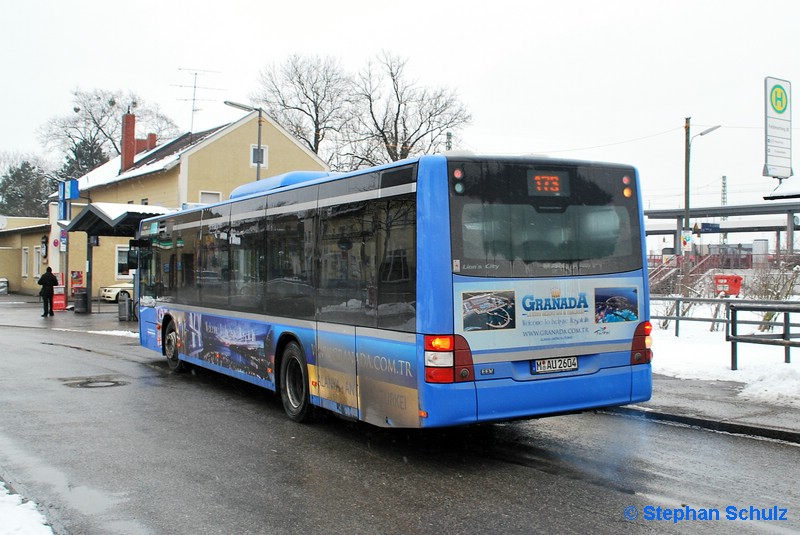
x=107, y=219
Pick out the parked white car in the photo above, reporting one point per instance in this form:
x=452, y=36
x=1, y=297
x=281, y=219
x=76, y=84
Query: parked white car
x=114, y=292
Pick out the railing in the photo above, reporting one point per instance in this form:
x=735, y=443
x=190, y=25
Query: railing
x=682, y=306
x=784, y=339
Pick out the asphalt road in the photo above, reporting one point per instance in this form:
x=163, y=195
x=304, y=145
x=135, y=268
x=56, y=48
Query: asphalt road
x=98, y=432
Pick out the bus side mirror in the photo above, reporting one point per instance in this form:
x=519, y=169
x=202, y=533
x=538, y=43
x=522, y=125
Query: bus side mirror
x=134, y=250
x=133, y=258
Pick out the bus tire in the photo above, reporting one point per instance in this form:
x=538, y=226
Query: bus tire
x=171, y=349
x=294, y=383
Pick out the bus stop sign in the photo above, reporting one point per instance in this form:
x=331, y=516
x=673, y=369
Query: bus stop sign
x=778, y=128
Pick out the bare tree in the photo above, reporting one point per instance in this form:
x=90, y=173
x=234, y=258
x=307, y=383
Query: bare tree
x=308, y=96
x=376, y=117
x=9, y=159
x=96, y=121
x=395, y=118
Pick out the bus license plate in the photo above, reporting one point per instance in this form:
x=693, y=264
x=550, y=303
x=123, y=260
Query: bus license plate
x=561, y=364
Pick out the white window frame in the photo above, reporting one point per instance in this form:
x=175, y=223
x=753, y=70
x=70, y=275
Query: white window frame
x=253, y=163
x=26, y=256
x=37, y=261
x=207, y=192
x=117, y=275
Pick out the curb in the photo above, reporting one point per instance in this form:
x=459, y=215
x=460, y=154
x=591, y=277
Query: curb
x=713, y=425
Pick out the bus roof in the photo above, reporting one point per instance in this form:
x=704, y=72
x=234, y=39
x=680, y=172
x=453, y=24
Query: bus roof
x=277, y=181
x=298, y=178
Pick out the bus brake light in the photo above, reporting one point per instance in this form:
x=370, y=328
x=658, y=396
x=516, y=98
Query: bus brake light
x=448, y=359
x=642, y=342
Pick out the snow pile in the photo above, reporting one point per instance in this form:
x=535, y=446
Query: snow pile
x=701, y=354
x=20, y=517
x=127, y=334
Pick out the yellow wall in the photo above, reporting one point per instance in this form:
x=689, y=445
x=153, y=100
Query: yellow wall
x=31, y=230
x=11, y=240
x=10, y=262
x=159, y=189
x=13, y=222
x=225, y=164
x=28, y=284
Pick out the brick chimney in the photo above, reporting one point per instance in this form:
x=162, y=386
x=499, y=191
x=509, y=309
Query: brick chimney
x=128, y=149
x=130, y=145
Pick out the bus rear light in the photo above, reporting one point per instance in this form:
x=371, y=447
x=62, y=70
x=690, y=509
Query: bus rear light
x=441, y=359
x=642, y=342
x=439, y=375
x=448, y=359
x=627, y=191
x=439, y=343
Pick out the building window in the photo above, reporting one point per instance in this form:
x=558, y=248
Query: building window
x=259, y=156
x=37, y=261
x=145, y=201
x=123, y=272
x=25, y=261
x=210, y=197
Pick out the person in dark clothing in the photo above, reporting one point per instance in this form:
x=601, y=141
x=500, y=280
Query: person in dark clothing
x=47, y=282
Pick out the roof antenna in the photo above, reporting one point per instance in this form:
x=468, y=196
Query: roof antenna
x=194, y=87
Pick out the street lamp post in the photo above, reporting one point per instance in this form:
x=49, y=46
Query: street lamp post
x=260, y=152
x=688, y=153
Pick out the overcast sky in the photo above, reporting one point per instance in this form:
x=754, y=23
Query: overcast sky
x=609, y=80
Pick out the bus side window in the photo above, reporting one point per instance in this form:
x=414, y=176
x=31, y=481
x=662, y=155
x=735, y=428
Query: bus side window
x=396, y=285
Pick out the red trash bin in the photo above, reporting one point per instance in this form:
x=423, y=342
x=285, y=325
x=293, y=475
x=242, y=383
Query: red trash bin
x=728, y=284
x=59, y=298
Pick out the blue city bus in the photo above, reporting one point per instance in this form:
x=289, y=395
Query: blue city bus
x=437, y=291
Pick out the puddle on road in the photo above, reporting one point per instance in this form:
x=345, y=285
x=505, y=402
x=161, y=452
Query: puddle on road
x=37, y=472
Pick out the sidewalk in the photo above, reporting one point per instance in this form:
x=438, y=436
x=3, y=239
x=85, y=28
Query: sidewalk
x=716, y=405
x=25, y=311
x=703, y=403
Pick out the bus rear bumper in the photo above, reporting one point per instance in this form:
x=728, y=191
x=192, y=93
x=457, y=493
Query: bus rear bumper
x=506, y=399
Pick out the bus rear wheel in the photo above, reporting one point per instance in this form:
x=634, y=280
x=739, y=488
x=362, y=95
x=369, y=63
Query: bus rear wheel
x=171, y=349
x=294, y=383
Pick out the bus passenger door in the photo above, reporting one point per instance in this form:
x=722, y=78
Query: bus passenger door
x=336, y=369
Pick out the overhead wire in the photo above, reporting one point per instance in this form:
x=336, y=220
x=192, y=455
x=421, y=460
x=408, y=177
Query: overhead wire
x=633, y=140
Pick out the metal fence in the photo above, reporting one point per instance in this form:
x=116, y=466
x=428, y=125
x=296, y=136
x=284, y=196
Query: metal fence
x=771, y=310
x=726, y=312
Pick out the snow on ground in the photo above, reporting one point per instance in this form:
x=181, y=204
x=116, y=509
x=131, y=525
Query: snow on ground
x=701, y=354
x=128, y=334
x=20, y=517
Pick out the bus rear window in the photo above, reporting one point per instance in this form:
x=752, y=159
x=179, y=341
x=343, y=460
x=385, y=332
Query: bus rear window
x=512, y=219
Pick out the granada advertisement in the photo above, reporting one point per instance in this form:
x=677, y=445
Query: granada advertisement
x=546, y=313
